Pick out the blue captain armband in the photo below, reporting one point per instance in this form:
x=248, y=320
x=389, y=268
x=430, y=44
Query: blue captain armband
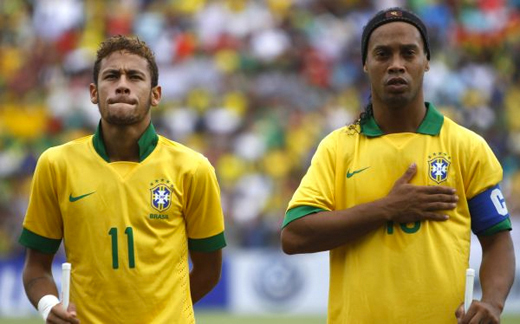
x=487, y=209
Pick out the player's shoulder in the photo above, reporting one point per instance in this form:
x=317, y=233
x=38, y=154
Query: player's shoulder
x=339, y=141
x=67, y=149
x=349, y=132
x=460, y=133
x=180, y=151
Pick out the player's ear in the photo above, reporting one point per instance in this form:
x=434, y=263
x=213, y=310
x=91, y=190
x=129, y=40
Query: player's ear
x=93, y=93
x=365, y=68
x=427, y=68
x=156, y=96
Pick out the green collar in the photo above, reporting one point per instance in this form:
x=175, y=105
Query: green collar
x=147, y=143
x=431, y=124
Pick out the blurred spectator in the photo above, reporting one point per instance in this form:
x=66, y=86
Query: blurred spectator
x=251, y=84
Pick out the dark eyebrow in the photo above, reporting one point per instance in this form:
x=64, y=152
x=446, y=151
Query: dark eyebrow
x=111, y=71
x=410, y=46
x=401, y=47
x=134, y=72
x=381, y=47
x=118, y=72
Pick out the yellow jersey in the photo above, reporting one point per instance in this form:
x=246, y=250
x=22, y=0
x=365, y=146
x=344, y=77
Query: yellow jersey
x=403, y=273
x=126, y=226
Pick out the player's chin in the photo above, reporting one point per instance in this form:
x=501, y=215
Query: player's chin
x=397, y=99
x=122, y=119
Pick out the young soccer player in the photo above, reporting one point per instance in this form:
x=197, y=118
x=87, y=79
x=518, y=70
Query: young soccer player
x=130, y=206
x=395, y=196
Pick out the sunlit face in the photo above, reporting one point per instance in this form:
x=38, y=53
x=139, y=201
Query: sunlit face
x=124, y=93
x=396, y=62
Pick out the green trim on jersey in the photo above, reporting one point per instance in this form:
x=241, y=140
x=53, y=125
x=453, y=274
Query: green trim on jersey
x=298, y=212
x=37, y=242
x=147, y=143
x=504, y=225
x=431, y=125
x=208, y=244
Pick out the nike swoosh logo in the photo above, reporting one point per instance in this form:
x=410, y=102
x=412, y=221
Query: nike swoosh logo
x=73, y=199
x=350, y=174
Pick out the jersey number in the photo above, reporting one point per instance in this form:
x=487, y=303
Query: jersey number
x=130, y=238
x=408, y=230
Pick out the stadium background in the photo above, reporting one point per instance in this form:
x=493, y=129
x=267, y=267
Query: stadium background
x=253, y=85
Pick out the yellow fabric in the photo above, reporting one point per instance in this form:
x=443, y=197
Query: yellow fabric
x=117, y=205
x=400, y=273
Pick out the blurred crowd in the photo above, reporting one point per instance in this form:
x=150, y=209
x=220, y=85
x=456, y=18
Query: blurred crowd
x=253, y=85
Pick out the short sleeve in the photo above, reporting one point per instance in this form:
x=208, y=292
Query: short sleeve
x=486, y=202
x=316, y=190
x=43, y=226
x=483, y=170
x=203, y=210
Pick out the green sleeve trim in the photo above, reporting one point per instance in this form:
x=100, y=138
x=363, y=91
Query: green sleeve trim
x=208, y=244
x=298, y=212
x=38, y=242
x=504, y=225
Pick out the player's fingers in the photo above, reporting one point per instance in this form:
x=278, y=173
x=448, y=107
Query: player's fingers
x=459, y=312
x=432, y=190
x=434, y=216
x=58, y=315
x=480, y=312
x=72, y=309
x=56, y=319
x=441, y=198
x=408, y=175
x=473, y=315
x=475, y=319
x=435, y=206
x=71, y=316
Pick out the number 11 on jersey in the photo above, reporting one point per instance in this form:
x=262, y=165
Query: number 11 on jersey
x=115, y=255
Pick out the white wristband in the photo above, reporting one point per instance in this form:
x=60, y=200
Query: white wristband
x=45, y=305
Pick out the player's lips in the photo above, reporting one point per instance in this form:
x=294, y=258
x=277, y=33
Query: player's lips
x=396, y=83
x=127, y=101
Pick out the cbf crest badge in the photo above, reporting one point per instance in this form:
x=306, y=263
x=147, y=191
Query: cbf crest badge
x=438, y=166
x=161, y=195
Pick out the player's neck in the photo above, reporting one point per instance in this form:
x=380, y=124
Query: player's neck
x=401, y=119
x=121, y=142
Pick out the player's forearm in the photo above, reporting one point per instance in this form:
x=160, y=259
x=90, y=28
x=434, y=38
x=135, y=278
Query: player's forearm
x=201, y=284
x=205, y=273
x=327, y=230
x=497, y=269
x=37, y=284
x=37, y=276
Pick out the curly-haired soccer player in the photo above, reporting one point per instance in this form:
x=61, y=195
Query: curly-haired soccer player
x=130, y=206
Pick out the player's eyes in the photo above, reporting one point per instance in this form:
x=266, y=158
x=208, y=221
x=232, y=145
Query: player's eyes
x=381, y=54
